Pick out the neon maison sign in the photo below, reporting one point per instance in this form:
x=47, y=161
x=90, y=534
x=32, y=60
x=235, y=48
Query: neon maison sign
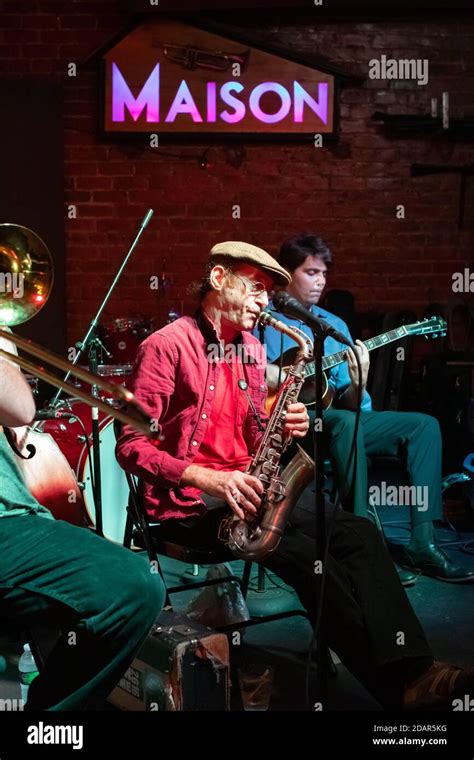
x=175, y=79
x=230, y=102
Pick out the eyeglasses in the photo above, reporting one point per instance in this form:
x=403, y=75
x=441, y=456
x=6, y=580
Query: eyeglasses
x=255, y=288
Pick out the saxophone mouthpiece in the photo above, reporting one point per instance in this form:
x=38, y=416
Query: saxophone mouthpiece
x=266, y=319
x=301, y=339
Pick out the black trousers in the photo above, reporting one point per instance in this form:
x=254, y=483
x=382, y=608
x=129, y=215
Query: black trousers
x=368, y=619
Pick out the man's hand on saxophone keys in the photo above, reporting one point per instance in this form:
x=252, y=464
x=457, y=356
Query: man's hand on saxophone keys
x=241, y=491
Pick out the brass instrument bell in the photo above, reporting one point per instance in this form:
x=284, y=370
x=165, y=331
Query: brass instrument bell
x=26, y=274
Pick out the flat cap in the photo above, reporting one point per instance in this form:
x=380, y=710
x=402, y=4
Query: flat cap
x=250, y=254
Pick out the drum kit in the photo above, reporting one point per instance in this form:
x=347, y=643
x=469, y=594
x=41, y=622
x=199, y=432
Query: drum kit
x=72, y=432
x=64, y=430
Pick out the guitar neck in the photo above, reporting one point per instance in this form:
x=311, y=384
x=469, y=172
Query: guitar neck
x=340, y=357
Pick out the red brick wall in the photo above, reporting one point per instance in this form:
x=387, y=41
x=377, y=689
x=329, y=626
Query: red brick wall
x=281, y=189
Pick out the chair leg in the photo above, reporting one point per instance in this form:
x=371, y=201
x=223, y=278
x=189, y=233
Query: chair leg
x=246, y=578
x=203, y=584
x=127, y=536
x=260, y=621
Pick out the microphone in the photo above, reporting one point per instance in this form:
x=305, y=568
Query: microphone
x=291, y=307
x=50, y=414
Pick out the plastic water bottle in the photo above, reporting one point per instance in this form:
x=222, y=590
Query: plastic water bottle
x=28, y=671
x=154, y=693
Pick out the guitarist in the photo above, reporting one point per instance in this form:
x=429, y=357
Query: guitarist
x=416, y=437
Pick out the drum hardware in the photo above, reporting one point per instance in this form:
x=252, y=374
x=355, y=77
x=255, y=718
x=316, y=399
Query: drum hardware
x=92, y=343
x=113, y=373
x=33, y=383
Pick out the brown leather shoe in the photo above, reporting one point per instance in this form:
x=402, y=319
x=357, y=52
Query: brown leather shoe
x=438, y=686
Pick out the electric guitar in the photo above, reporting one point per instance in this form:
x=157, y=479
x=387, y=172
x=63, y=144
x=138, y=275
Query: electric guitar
x=434, y=326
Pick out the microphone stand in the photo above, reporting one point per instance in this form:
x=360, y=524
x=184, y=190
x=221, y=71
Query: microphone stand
x=320, y=514
x=93, y=344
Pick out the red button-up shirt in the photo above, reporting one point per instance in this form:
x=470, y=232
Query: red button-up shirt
x=175, y=382
x=224, y=446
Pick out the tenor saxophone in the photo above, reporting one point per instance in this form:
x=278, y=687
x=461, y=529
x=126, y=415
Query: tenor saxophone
x=257, y=536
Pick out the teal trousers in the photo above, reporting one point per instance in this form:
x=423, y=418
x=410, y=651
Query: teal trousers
x=102, y=597
x=413, y=437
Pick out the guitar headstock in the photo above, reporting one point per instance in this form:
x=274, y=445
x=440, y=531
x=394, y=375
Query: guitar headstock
x=434, y=326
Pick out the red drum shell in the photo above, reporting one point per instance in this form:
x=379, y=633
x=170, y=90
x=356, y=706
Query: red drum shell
x=121, y=337
x=70, y=435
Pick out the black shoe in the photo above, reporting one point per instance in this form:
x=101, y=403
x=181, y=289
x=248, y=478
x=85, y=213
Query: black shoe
x=406, y=577
x=432, y=561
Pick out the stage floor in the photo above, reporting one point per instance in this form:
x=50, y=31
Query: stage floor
x=445, y=610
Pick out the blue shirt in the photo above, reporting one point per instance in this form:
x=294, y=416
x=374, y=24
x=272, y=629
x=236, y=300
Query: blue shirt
x=277, y=343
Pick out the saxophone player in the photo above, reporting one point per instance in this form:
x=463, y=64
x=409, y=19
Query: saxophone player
x=210, y=408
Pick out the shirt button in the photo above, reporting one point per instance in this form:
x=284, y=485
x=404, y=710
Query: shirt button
x=195, y=443
x=211, y=387
x=204, y=416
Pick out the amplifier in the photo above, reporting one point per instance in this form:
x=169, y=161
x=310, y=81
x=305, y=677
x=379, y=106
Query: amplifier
x=182, y=665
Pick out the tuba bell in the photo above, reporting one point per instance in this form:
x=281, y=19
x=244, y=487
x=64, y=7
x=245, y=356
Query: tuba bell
x=26, y=274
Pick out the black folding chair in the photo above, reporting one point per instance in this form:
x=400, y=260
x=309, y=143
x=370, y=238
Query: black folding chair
x=139, y=530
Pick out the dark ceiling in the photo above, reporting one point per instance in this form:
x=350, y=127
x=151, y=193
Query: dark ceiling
x=360, y=9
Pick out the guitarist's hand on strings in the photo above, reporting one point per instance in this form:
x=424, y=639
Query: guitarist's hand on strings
x=364, y=362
